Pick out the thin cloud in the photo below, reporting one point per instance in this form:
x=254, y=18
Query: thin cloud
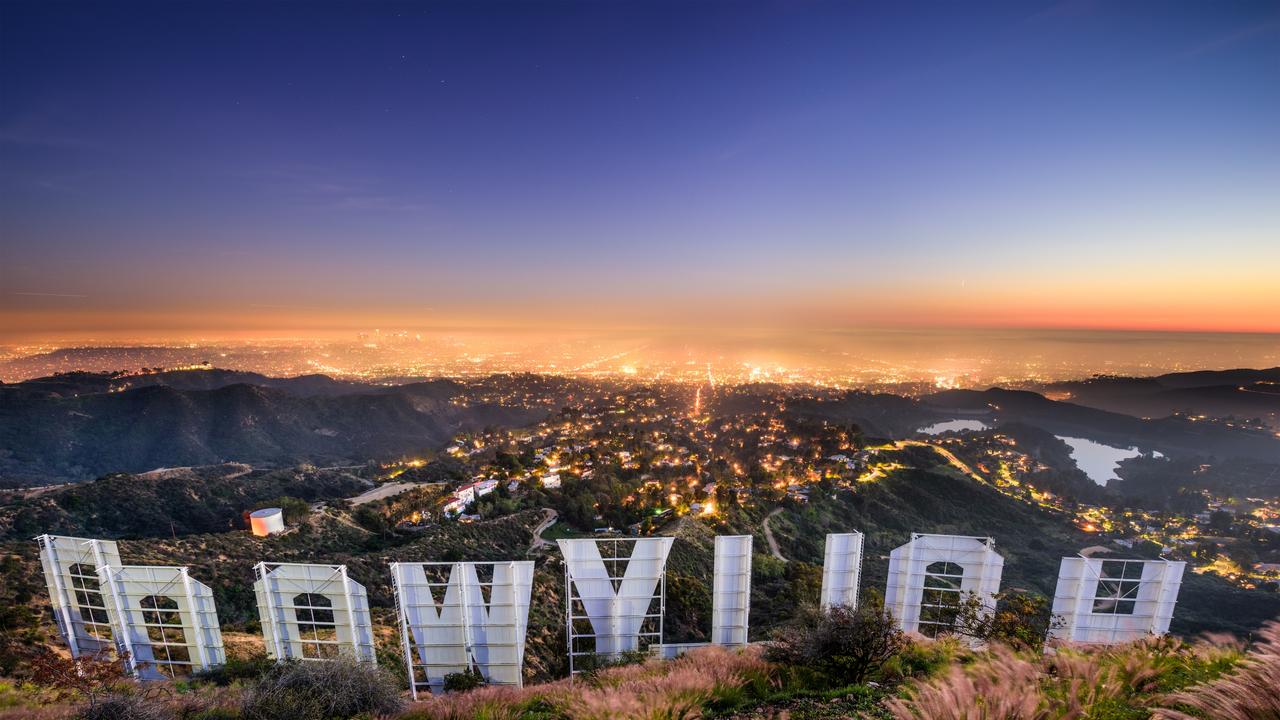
x=1239, y=37
x=43, y=294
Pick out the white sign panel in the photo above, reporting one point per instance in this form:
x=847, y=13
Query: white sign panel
x=75, y=590
x=1114, y=601
x=731, y=590
x=841, y=570
x=615, y=591
x=930, y=576
x=313, y=612
x=452, y=619
x=164, y=620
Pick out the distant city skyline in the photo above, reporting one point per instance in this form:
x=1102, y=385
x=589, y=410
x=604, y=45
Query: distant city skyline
x=180, y=170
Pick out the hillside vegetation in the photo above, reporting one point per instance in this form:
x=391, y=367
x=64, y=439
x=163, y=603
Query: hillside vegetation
x=916, y=679
x=75, y=428
x=166, y=504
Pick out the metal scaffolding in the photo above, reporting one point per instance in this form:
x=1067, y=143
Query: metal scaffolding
x=71, y=572
x=731, y=590
x=1106, y=601
x=609, y=598
x=930, y=576
x=164, y=620
x=313, y=612
x=841, y=570
x=452, y=621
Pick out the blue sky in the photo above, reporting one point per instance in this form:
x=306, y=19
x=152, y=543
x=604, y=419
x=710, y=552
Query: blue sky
x=1081, y=164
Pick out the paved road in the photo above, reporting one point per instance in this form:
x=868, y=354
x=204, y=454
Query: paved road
x=768, y=535
x=382, y=491
x=548, y=521
x=947, y=455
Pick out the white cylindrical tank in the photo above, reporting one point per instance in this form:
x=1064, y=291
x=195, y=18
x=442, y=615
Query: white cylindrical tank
x=267, y=521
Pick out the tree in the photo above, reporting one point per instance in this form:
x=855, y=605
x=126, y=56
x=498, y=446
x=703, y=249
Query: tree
x=847, y=645
x=92, y=676
x=1221, y=520
x=295, y=509
x=1019, y=619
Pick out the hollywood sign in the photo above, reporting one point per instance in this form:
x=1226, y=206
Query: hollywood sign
x=455, y=617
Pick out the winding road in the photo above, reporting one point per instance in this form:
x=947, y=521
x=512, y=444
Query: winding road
x=768, y=536
x=549, y=520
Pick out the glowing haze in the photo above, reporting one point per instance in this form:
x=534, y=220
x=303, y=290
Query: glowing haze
x=183, y=169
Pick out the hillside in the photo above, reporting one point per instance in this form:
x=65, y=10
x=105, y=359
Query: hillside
x=69, y=428
x=1032, y=540
x=179, y=502
x=1171, y=436
x=877, y=414
x=927, y=497
x=1242, y=393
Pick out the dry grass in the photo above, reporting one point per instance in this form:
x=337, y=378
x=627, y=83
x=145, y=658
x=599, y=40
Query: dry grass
x=1252, y=692
x=675, y=690
x=1070, y=683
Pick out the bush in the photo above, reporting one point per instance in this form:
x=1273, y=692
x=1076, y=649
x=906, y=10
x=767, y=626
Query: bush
x=846, y=645
x=1020, y=620
x=331, y=690
x=237, y=669
x=212, y=714
x=924, y=658
x=122, y=707
x=468, y=679
x=589, y=666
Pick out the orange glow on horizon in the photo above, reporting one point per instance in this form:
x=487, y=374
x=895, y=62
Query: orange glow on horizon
x=1173, y=302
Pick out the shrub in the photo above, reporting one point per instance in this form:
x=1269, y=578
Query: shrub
x=468, y=679
x=1020, y=620
x=92, y=676
x=212, y=714
x=846, y=645
x=680, y=688
x=924, y=657
x=1004, y=686
x=331, y=690
x=235, y=669
x=123, y=707
x=589, y=666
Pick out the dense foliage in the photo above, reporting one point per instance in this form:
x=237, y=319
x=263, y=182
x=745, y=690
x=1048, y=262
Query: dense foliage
x=334, y=690
x=200, y=500
x=846, y=645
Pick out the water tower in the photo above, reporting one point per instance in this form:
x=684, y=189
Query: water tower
x=267, y=521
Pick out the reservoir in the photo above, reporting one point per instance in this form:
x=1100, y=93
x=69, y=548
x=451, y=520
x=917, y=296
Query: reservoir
x=954, y=426
x=1098, y=461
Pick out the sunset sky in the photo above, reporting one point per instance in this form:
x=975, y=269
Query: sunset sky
x=241, y=168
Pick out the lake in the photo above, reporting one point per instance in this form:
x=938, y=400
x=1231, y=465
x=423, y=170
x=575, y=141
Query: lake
x=1098, y=461
x=954, y=426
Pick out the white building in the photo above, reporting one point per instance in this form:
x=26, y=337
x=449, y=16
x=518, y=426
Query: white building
x=731, y=590
x=165, y=622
